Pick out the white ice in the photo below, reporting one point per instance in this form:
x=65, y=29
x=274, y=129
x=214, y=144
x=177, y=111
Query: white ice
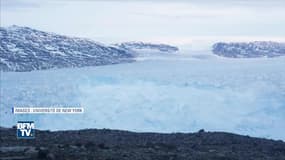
x=170, y=94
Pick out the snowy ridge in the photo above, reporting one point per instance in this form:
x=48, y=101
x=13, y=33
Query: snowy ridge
x=150, y=46
x=26, y=49
x=249, y=50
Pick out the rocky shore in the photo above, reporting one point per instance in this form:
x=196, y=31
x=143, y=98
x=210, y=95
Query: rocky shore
x=105, y=144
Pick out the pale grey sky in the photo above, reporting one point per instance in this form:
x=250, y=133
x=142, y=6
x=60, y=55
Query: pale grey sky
x=178, y=22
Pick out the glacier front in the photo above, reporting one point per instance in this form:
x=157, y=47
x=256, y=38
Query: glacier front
x=244, y=96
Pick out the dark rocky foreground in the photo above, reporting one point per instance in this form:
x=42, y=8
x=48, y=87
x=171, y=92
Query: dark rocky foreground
x=122, y=145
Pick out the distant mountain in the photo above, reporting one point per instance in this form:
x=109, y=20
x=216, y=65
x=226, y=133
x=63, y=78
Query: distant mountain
x=249, y=50
x=135, y=46
x=26, y=49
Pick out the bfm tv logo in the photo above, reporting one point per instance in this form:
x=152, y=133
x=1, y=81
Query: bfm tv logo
x=25, y=130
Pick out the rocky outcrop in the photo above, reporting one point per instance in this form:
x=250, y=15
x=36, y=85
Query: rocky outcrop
x=124, y=145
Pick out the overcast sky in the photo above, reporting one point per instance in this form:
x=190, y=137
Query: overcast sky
x=177, y=22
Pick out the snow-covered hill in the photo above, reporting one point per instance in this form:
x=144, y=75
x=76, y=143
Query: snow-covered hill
x=148, y=51
x=147, y=46
x=26, y=49
x=249, y=50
